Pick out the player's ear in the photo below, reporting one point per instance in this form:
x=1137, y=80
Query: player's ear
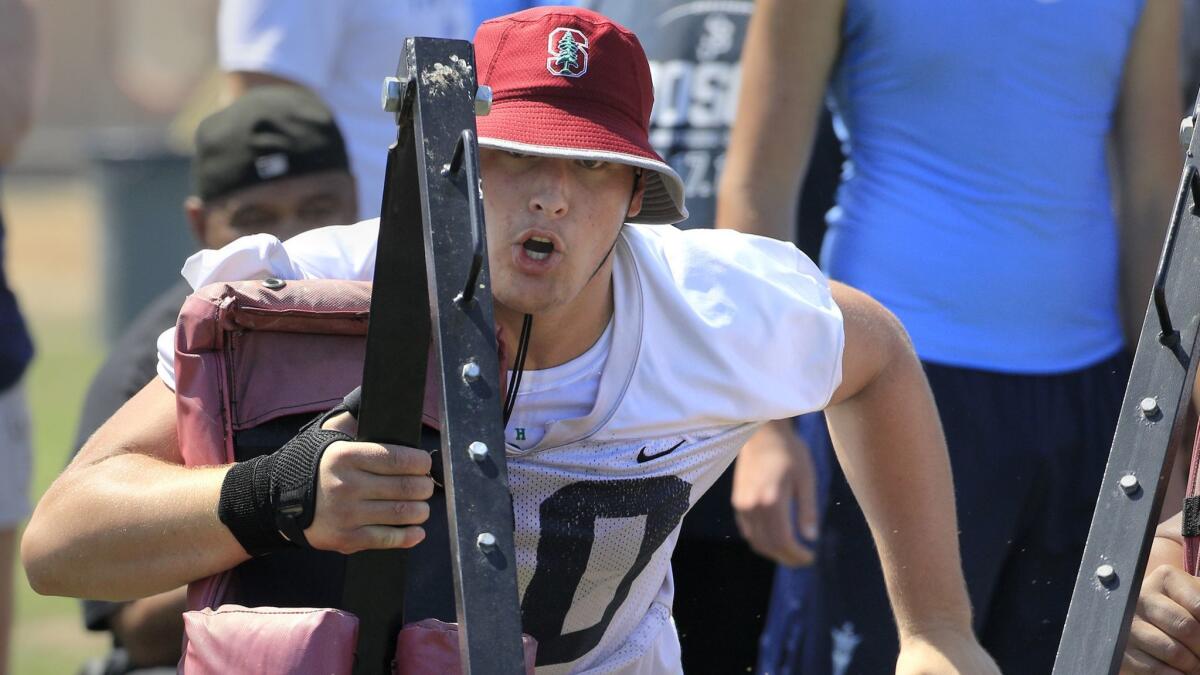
x=193, y=208
x=639, y=191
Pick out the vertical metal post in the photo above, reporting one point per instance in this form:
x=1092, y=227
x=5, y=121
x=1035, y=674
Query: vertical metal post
x=1160, y=386
x=479, y=502
x=431, y=281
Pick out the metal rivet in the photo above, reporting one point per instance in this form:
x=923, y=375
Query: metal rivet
x=486, y=541
x=483, y=100
x=478, y=451
x=470, y=371
x=1106, y=574
x=393, y=89
x=1186, y=129
x=273, y=283
x=1149, y=406
x=1129, y=483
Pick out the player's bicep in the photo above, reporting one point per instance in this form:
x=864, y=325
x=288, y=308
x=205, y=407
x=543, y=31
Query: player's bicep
x=145, y=425
x=874, y=338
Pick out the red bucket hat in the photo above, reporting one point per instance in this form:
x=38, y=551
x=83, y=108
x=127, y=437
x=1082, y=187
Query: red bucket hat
x=568, y=82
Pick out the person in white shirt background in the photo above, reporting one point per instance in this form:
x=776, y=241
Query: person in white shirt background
x=341, y=50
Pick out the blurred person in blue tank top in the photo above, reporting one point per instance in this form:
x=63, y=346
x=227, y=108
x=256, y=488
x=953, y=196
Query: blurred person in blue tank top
x=979, y=203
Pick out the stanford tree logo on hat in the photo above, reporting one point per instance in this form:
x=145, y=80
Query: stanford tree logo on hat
x=568, y=52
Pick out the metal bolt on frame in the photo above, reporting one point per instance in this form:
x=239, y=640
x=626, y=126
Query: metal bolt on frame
x=1129, y=483
x=470, y=371
x=393, y=89
x=1149, y=406
x=478, y=451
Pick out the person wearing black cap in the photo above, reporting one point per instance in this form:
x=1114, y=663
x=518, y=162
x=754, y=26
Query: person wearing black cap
x=274, y=161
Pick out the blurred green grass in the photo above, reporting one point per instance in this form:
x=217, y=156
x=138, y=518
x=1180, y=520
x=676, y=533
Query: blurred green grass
x=48, y=635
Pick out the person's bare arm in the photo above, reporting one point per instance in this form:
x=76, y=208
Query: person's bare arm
x=1167, y=547
x=791, y=46
x=127, y=520
x=18, y=53
x=1147, y=152
x=888, y=438
x=775, y=494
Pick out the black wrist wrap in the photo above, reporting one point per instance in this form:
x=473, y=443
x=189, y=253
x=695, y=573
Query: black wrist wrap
x=267, y=502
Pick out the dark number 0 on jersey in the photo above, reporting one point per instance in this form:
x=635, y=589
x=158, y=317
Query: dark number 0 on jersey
x=568, y=532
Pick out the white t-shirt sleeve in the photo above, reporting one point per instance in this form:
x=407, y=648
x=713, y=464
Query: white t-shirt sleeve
x=736, y=327
x=336, y=252
x=293, y=39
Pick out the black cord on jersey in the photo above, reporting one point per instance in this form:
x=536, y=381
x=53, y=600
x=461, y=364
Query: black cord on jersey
x=514, y=378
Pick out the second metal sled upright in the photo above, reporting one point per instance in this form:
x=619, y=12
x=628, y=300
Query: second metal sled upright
x=1160, y=386
x=431, y=282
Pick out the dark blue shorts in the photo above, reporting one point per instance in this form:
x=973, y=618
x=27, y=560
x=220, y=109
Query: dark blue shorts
x=1028, y=453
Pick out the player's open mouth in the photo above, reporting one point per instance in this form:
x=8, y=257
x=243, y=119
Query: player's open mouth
x=538, y=248
x=537, y=252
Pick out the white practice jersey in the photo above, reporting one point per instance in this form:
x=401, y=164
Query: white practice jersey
x=714, y=332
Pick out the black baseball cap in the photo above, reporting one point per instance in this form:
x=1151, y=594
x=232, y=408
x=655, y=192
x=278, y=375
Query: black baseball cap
x=268, y=133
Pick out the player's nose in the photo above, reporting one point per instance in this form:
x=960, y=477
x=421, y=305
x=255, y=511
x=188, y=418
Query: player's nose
x=551, y=188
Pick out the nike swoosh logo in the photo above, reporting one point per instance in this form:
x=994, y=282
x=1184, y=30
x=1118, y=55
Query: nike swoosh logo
x=642, y=457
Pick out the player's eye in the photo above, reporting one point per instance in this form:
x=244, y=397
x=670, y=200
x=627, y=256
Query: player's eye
x=591, y=164
x=253, y=219
x=320, y=209
x=517, y=155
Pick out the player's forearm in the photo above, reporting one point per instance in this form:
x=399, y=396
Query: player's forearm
x=127, y=527
x=1167, y=548
x=891, y=446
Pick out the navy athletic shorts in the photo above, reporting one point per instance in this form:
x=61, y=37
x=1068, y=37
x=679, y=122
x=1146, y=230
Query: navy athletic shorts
x=1028, y=453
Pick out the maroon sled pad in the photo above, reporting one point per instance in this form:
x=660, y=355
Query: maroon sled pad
x=247, y=353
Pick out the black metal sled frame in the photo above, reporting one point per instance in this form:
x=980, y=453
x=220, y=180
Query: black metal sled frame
x=431, y=281
x=1149, y=428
